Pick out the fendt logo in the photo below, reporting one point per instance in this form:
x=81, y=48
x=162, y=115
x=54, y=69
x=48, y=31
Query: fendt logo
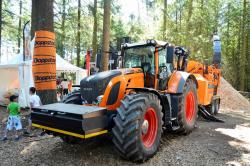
x=87, y=89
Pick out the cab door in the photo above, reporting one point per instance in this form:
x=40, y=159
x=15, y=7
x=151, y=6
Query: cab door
x=164, y=69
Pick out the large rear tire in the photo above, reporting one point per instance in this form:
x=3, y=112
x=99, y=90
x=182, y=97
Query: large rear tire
x=138, y=126
x=188, y=108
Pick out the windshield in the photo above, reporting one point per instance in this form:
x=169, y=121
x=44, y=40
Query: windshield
x=140, y=57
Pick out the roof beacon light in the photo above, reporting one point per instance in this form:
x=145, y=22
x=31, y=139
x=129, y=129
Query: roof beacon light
x=153, y=42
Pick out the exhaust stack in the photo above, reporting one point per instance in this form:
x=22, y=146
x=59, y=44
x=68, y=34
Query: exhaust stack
x=217, y=50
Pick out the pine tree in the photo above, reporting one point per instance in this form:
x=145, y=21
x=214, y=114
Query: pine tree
x=43, y=21
x=106, y=35
x=78, y=44
x=95, y=26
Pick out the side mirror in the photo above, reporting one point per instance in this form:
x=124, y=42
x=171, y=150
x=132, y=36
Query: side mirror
x=119, y=62
x=170, y=54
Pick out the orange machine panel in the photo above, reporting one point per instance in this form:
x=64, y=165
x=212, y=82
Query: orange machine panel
x=174, y=82
x=135, y=79
x=205, y=91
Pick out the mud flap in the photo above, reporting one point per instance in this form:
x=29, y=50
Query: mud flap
x=206, y=115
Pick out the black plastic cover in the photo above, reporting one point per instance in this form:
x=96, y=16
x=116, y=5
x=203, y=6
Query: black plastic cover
x=95, y=85
x=113, y=95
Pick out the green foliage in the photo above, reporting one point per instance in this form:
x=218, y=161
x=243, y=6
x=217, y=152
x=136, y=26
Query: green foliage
x=191, y=23
x=188, y=22
x=10, y=17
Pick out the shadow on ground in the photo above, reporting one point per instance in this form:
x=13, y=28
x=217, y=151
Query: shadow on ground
x=210, y=144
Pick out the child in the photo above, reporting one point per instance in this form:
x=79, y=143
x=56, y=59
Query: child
x=35, y=101
x=14, y=120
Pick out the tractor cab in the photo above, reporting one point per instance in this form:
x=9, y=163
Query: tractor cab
x=155, y=58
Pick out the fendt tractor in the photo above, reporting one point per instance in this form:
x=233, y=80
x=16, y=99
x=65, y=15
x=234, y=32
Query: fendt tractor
x=155, y=88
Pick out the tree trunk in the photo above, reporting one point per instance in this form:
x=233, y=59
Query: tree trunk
x=244, y=47
x=78, y=44
x=247, y=88
x=237, y=56
x=43, y=21
x=63, y=29
x=164, y=27
x=176, y=16
x=180, y=23
x=95, y=26
x=180, y=17
x=19, y=28
x=228, y=29
x=200, y=21
x=106, y=36
x=0, y=28
x=190, y=12
x=139, y=12
x=188, y=24
x=248, y=52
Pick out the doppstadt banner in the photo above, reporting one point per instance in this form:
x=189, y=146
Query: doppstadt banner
x=44, y=61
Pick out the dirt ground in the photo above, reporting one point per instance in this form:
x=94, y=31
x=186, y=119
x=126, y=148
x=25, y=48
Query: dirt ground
x=209, y=144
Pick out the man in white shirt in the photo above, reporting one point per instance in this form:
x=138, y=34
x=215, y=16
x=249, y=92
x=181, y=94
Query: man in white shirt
x=65, y=86
x=35, y=101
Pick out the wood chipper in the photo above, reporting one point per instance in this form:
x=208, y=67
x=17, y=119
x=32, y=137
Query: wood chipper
x=155, y=89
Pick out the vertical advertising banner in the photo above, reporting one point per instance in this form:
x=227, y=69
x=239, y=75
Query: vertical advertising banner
x=26, y=36
x=44, y=61
x=217, y=49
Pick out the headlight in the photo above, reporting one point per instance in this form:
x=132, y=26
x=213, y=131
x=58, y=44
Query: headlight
x=125, y=45
x=152, y=41
x=98, y=100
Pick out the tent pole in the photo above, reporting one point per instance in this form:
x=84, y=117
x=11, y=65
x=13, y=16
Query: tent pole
x=24, y=39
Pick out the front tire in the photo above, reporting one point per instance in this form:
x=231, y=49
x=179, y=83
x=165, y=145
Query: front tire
x=188, y=108
x=72, y=98
x=138, y=126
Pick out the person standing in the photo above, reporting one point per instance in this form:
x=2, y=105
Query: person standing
x=14, y=120
x=70, y=86
x=35, y=101
x=59, y=89
x=65, y=86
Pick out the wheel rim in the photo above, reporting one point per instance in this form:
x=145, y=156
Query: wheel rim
x=149, y=128
x=190, y=107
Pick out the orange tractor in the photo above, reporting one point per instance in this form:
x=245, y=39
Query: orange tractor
x=155, y=89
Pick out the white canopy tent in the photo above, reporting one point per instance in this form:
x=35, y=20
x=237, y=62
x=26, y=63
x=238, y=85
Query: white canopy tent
x=19, y=77
x=17, y=74
x=63, y=66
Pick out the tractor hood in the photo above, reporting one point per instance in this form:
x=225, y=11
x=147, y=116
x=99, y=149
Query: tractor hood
x=95, y=85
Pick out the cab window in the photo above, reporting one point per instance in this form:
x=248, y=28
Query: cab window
x=164, y=67
x=140, y=57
